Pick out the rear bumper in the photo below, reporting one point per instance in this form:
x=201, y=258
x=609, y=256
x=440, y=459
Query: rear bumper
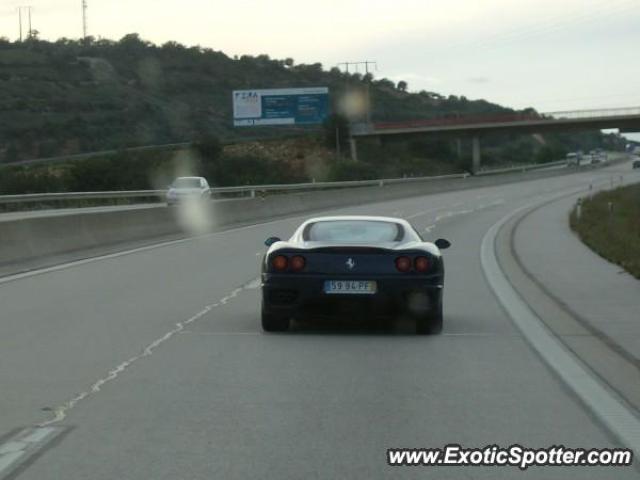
x=291, y=294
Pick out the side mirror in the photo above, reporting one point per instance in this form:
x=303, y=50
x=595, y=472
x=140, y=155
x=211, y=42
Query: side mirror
x=442, y=244
x=271, y=240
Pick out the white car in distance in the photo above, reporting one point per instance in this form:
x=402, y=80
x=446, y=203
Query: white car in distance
x=188, y=189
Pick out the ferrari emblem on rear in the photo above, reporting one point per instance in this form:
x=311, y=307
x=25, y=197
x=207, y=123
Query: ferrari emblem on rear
x=350, y=263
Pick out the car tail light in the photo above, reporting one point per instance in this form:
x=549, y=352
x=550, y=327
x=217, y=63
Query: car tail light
x=280, y=263
x=421, y=264
x=297, y=263
x=403, y=264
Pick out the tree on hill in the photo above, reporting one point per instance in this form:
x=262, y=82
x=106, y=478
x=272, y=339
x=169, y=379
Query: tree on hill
x=209, y=148
x=133, y=43
x=385, y=82
x=173, y=46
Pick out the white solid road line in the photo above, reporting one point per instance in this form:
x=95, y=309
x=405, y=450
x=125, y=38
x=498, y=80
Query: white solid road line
x=603, y=402
x=23, y=445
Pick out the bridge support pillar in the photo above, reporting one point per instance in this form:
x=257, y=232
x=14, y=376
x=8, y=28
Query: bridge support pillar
x=354, y=149
x=475, y=166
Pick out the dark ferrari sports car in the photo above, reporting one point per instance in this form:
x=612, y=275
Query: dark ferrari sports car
x=353, y=265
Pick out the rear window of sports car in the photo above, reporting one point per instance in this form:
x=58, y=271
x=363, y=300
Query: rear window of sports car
x=353, y=231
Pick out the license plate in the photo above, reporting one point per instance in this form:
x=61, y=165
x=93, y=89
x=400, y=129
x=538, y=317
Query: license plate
x=350, y=287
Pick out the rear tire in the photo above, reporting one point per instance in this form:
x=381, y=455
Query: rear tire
x=431, y=323
x=274, y=323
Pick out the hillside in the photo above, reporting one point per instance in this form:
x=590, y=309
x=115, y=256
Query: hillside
x=72, y=96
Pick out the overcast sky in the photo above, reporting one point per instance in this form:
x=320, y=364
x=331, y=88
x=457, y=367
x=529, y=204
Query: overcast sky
x=550, y=54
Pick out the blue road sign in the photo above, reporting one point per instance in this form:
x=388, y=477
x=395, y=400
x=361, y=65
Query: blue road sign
x=282, y=106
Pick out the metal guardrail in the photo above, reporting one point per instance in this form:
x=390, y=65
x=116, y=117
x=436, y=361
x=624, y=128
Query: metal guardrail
x=522, y=168
x=612, y=158
x=250, y=190
x=47, y=197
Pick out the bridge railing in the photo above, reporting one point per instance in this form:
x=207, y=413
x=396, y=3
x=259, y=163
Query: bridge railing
x=459, y=120
x=594, y=113
x=498, y=118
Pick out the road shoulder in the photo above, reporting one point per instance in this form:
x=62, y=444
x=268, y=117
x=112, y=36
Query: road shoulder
x=583, y=299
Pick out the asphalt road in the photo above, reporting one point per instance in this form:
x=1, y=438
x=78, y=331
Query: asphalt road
x=152, y=365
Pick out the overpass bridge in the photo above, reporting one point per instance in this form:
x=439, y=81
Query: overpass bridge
x=625, y=119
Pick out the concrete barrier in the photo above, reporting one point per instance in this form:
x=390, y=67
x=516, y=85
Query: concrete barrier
x=74, y=234
x=38, y=237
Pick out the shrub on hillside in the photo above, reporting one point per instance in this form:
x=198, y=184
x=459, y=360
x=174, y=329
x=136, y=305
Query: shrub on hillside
x=248, y=170
x=431, y=148
x=209, y=148
x=550, y=153
x=349, y=170
x=21, y=180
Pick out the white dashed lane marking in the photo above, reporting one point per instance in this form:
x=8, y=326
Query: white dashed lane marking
x=60, y=412
x=20, y=447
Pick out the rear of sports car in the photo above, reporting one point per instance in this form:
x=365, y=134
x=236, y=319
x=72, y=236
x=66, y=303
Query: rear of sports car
x=352, y=281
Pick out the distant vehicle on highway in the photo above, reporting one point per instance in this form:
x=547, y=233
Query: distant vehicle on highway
x=636, y=164
x=188, y=188
x=351, y=265
x=599, y=155
x=573, y=159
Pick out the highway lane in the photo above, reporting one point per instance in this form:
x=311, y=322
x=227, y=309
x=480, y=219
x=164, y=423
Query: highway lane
x=216, y=398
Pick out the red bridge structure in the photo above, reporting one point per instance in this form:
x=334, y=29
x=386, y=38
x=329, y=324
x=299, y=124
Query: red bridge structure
x=625, y=119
